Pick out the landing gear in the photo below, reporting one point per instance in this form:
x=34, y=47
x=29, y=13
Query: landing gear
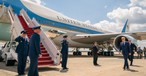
x=77, y=52
x=1, y=59
x=108, y=53
x=89, y=53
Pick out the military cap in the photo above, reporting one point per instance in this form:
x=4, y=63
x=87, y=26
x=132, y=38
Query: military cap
x=36, y=27
x=23, y=32
x=65, y=36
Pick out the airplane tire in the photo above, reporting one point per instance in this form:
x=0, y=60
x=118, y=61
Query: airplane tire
x=88, y=53
x=9, y=62
x=1, y=59
x=105, y=54
x=80, y=53
x=112, y=53
x=91, y=53
x=74, y=53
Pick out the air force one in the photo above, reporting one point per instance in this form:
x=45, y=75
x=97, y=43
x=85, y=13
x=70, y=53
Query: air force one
x=80, y=34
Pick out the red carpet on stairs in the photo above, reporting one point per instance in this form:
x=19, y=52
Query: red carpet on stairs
x=45, y=59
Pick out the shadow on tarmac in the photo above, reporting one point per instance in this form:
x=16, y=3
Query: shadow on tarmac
x=132, y=70
x=14, y=68
x=42, y=69
x=136, y=66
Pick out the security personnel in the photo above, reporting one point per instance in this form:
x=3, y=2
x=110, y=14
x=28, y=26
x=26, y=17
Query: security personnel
x=124, y=47
x=34, y=51
x=132, y=48
x=64, y=52
x=22, y=51
x=95, y=53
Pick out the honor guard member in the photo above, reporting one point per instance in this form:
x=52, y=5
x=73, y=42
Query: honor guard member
x=64, y=52
x=95, y=53
x=133, y=48
x=22, y=51
x=34, y=51
x=124, y=47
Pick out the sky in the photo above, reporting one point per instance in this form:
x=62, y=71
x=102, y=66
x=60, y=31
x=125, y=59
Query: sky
x=105, y=14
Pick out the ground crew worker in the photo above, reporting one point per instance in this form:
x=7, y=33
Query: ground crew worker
x=22, y=51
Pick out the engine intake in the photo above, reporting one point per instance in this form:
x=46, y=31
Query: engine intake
x=118, y=40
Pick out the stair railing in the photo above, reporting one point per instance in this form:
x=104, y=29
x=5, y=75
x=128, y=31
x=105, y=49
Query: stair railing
x=49, y=45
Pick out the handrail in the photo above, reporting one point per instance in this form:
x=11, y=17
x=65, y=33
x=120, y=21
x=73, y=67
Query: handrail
x=26, y=18
x=47, y=42
x=15, y=27
x=11, y=15
x=49, y=45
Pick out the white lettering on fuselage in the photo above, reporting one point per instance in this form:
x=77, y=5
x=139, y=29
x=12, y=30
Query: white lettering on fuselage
x=75, y=22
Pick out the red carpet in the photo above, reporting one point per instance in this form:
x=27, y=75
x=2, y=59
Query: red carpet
x=45, y=59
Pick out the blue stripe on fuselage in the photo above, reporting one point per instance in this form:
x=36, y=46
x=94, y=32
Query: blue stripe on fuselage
x=17, y=6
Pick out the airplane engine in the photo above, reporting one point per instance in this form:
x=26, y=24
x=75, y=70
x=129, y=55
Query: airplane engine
x=117, y=41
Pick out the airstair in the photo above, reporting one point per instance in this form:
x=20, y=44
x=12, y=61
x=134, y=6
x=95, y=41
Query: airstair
x=50, y=54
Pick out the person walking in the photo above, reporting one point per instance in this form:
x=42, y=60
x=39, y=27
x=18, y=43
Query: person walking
x=132, y=50
x=144, y=50
x=124, y=47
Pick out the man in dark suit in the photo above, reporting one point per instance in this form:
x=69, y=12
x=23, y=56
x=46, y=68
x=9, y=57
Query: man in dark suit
x=64, y=52
x=132, y=50
x=95, y=53
x=34, y=52
x=22, y=52
x=124, y=47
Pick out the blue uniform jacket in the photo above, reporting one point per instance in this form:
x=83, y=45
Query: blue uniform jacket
x=124, y=47
x=23, y=46
x=64, y=49
x=34, y=45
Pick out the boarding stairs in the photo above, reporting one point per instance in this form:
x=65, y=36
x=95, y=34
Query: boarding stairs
x=50, y=54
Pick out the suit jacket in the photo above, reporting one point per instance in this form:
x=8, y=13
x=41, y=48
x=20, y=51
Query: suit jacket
x=132, y=48
x=34, y=46
x=124, y=47
x=23, y=45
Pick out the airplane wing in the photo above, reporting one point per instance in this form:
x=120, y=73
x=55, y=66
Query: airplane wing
x=90, y=38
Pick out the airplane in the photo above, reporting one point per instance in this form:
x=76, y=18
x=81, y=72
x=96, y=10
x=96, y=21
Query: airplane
x=81, y=35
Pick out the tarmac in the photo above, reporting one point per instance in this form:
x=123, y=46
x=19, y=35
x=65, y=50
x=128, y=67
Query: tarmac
x=82, y=66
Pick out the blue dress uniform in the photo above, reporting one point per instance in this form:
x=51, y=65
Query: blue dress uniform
x=64, y=52
x=22, y=51
x=124, y=46
x=34, y=51
x=132, y=47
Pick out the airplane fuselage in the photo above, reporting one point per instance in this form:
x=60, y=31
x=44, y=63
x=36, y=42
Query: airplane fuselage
x=49, y=17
